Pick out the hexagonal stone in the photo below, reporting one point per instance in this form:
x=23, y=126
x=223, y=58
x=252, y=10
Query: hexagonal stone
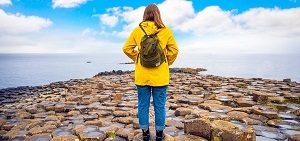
x=198, y=127
x=189, y=138
x=39, y=137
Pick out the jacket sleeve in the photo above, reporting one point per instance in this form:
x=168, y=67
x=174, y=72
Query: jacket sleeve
x=129, y=47
x=172, y=48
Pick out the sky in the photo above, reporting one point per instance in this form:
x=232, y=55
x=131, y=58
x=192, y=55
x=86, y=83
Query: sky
x=102, y=26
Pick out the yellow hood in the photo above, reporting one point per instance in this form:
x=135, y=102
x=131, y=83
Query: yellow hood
x=150, y=27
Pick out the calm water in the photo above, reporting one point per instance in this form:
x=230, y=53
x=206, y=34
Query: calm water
x=39, y=69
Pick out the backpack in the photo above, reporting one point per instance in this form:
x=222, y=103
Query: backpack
x=152, y=55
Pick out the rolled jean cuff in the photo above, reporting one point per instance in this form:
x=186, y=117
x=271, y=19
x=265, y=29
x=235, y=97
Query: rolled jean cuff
x=159, y=128
x=144, y=126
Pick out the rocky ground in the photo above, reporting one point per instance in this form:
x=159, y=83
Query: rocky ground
x=200, y=108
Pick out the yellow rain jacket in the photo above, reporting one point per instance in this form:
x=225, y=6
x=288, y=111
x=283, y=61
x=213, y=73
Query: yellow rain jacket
x=158, y=76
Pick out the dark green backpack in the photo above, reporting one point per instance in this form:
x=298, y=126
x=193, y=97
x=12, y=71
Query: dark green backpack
x=152, y=55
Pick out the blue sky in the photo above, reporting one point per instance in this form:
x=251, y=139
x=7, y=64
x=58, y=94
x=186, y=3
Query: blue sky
x=84, y=21
x=82, y=16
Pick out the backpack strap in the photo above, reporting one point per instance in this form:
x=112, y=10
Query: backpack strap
x=137, y=58
x=142, y=28
x=140, y=25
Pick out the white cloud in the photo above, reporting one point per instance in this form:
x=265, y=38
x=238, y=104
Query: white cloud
x=108, y=20
x=132, y=18
x=5, y=2
x=20, y=24
x=211, y=20
x=176, y=12
x=258, y=30
x=67, y=3
x=52, y=42
x=214, y=20
x=214, y=30
x=280, y=22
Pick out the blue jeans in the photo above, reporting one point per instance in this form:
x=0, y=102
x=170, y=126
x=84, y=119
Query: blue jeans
x=159, y=102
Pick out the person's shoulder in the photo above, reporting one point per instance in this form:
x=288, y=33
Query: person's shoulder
x=167, y=29
x=135, y=29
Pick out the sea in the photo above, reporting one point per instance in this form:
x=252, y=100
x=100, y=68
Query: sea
x=40, y=69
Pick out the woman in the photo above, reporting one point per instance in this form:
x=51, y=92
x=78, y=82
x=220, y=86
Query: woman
x=152, y=80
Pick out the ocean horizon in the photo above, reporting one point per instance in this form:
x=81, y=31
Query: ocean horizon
x=33, y=69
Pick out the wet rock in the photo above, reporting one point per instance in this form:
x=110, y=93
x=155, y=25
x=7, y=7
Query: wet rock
x=15, y=133
x=124, y=120
x=88, y=117
x=209, y=96
x=224, y=98
x=294, y=138
x=250, y=121
x=288, y=80
x=195, y=91
x=39, y=137
x=244, y=102
x=296, y=112
x=34, y=123
x=95, y=122
x=82, y=108
x=73, y=98
x=285, y=115
x=236, y=115
x=59, y=107
x=135, y=123
x=276, y=99
x=117, y=97
x=267, y=113
x=123, y=132
x=213, y=102
x=189, y=138
x=173, y=131
x=226, y=131
x=43, y=129
x=73, y=113
x=16, y=139
x=269, y=132
x=217, y=116
x=40, y=115
x=2, y=122
x=117, y=138
x=182, y=111
x=198, y=127
x=9, y=124
x=112, y=128
x=103, y=113
x=175, y=122
x=285, y=124
x=31, y=109
x=258, y=117
x=90, y=133
x=262, y=97
x=120, y=113
x=54, y=118
x=215, y=107
x=24, y=115
x=66, y=138
x=62, y=132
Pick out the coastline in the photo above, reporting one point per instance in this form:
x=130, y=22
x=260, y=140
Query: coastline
x=104, y=106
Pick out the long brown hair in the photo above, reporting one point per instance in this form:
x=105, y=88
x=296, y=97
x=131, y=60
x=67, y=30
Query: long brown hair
x=152, y=13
